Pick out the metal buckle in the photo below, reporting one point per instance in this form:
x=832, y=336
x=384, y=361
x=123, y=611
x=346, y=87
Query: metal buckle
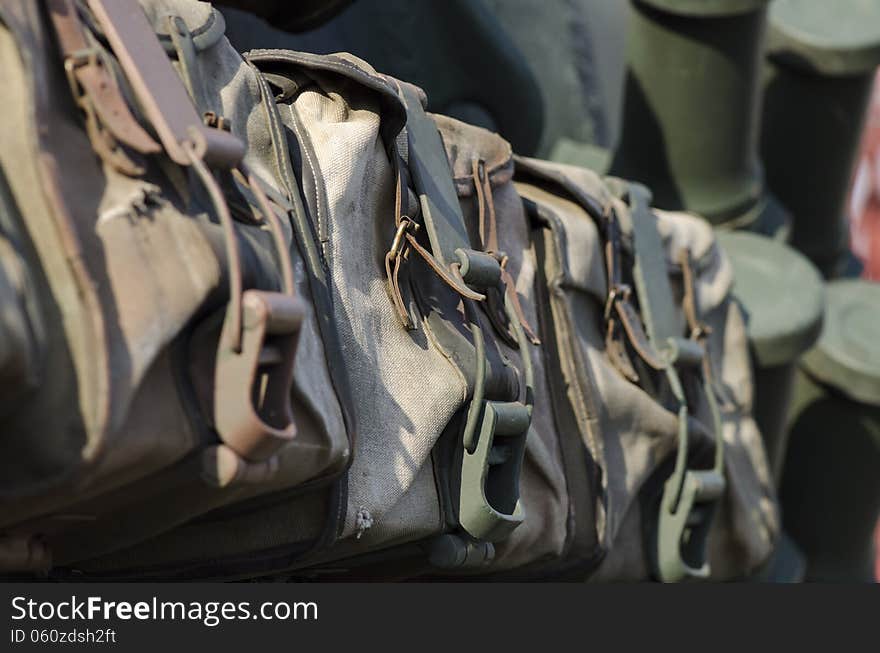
x=406, y=226
x=618, y=291
x=77, y=60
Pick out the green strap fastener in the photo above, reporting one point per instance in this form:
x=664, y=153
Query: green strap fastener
x=689, y=496
x=494, y=435
x=489, y=506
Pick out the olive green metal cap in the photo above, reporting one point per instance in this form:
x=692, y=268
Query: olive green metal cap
x=781, y=292
x=706, y=8
x=847, y=355
x=831, y=37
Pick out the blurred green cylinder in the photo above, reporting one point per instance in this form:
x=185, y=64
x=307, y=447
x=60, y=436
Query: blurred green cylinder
x=691, y=106
x=821, y=58
x=783, y=298
x=831, y=482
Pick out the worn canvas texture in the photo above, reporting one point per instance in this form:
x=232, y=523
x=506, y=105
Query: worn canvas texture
x=131, y=265
x=112, y=458
x=625, y=428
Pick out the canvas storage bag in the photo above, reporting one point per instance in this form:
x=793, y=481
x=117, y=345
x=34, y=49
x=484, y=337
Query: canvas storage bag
x=635, y=295
x=550, y=225
x=134, y=245
x=422, y=368
x=431, y=361
x=584, y=516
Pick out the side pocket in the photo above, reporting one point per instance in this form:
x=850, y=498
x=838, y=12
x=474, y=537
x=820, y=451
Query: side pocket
x=572, y=415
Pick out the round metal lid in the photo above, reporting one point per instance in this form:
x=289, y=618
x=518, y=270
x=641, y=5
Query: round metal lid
x=781, y=292
x=706, y=8
x=832, y=37
x=847, y=355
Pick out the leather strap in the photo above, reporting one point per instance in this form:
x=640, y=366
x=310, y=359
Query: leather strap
x=95, y=88
x=698, y=329
x=184, y=47
x=440, y=212
x=488, y=235
x=622, y=319
x=488, y=225
x=689, y=495
x=159, y=89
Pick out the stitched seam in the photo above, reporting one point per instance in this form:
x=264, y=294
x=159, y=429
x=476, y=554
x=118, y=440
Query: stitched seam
x=315, y=172
x=332, y=64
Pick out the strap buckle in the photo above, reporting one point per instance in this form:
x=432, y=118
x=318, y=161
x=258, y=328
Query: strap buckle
x=489, y=505
x=76, y=60
x=684, y=525
x=159, y=89
x=255, y=357
x=689, y=496
x=489, y=508
x=406, y=226
x=618, y=291
x=252, y=386
x=253, y=371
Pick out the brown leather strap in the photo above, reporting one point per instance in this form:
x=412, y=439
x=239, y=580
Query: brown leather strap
x=488, y=233
x=159, y=89
x=699, y=330
x=405, y=241
x=510, y=290
x=488, y=226
x=616, y=351
x=94, y=84
x=635, y=333
x=493, y=306
x=396, y=253
x=449, y=278
x=622, y=318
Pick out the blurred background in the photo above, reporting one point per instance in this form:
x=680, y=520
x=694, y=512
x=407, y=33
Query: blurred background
x=864, y=203
x=864, y=214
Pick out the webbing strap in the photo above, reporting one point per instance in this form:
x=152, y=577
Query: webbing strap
x=109, y=120
x=689, y=496
x=440, y=212
x=159, y=89
x=494, y=433
x=433, y=180
x=255, y=355
x=650, y=273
